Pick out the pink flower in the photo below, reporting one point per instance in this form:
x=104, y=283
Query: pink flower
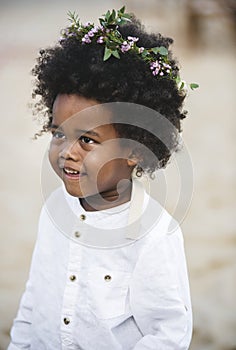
x=141, y=49
x=154, y=65
x=125, y=47
x=86, y=39
x=132, y=38
x=91, y=33
x=155, y=71
x=96, y=29
x=166, y=65
x=100, y=40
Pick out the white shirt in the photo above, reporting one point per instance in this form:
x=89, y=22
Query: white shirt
x=121, y=297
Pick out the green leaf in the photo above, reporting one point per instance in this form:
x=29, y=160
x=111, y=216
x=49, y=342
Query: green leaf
x=123, y=20
x=144, y=53
x=73, y=17
x=126, y=16
x=123, y=17
x=181, y=86
x=107, y=15
x=116, y=54
x=113, y=15
x=102, y=22
x=122, y=10
x=155, y=50
x=193, y=86
x=107, y=54
x=161, y=50
x=177, y=79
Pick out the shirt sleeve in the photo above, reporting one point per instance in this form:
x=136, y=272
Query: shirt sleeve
x=20, y=332
x=21, y=329
x=159, y=295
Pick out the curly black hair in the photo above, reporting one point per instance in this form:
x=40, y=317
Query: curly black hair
x=71, y=67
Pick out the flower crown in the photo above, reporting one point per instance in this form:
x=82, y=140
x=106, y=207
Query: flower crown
x=107, y=34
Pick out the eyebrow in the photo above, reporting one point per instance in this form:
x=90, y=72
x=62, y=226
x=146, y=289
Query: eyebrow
x=54, y=126
x=89, y=132
x=82, y=132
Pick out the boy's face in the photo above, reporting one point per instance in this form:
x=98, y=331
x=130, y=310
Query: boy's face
x=86, y=155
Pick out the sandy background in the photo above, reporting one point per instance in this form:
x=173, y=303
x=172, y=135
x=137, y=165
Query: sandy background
x=209, y=133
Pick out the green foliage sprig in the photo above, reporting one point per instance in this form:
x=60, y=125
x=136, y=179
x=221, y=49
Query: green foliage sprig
x=107, y=34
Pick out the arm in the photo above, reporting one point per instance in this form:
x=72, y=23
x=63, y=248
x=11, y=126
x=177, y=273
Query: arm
x=159, y=295
x=172, y=331
x=21, y=329
x=29, y=325
x=20, y=332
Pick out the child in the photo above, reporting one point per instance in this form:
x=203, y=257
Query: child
x=106, y=272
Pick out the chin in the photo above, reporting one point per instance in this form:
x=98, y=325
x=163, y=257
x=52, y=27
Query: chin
x=73, y=192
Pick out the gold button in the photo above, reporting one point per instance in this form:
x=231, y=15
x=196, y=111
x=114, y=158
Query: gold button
x=72, y=277
x=107, y=278
x=77, y=234
x=66, y=320
x=82, y=217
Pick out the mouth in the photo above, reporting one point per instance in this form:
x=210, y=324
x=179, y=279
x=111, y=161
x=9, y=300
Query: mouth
x=72, y=173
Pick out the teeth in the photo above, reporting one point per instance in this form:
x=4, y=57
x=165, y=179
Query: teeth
x=69, y=171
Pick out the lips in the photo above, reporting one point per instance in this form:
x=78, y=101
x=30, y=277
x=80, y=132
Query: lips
x=71, y=173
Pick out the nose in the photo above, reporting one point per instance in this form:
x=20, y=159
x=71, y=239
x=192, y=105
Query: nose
x=71, y=150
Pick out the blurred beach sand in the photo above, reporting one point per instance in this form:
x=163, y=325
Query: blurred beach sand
x=209, y=132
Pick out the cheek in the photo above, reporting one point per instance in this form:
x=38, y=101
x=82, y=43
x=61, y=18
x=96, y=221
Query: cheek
x=106, y=162
x=106, y=154
x=115, y=170
x=53, y=155
x=98, y=163
x=94, y=159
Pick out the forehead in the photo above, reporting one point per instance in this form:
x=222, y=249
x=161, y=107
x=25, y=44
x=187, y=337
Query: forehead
x=76, y=111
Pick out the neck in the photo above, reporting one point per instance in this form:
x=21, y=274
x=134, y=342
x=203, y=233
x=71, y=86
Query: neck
x=111, y=199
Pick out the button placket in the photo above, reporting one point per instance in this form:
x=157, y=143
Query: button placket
x=70, y=293
x=78, y=232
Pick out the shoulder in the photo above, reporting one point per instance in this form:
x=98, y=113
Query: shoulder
x=57, y=212
x=161, y=248
x=162, y=253
x=157, y=223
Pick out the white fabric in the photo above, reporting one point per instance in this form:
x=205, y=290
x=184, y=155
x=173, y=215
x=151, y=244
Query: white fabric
x=145, y=305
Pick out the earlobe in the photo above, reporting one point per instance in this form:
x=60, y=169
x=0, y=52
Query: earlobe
x=132, y=162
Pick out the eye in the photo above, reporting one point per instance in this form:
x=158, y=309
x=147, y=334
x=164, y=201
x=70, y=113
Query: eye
x=58, y=134
x=86, y=139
